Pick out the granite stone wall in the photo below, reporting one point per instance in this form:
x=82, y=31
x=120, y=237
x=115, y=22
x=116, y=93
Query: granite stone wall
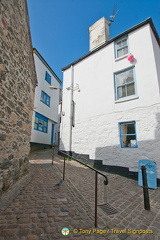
x=17, y=84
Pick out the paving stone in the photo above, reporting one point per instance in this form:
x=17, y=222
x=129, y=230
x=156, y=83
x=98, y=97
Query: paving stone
x=123, y=236
x=39, y=212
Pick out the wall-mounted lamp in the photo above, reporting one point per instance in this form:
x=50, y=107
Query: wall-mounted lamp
x=53, y=87
x=75, y=88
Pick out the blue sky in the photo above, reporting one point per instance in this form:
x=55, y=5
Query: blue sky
x=59, y=28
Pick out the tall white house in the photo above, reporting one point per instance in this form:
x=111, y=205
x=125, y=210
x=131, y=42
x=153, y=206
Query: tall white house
x=45, y=120
x=115, y=114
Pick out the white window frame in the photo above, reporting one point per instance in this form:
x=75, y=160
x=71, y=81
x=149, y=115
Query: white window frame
x=125, y=84
x=120, y=48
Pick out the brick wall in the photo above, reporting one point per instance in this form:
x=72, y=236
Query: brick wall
x=17, y=83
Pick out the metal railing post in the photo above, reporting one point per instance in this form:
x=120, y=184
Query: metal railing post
x=96, y=189
x=64, y=165
x=53, y=153
x=96, y=178
x=145, y=188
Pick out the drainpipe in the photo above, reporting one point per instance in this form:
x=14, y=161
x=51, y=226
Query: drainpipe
x=71, y=110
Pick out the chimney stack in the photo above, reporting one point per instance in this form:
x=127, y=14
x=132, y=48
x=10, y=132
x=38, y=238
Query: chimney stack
x=99, y=33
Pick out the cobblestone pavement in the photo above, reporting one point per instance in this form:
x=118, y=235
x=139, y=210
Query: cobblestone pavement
x=39, y=210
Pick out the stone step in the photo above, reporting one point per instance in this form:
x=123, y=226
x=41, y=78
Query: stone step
x=98, y=164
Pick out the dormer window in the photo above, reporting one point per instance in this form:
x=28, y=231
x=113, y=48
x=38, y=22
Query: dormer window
x=121, y=47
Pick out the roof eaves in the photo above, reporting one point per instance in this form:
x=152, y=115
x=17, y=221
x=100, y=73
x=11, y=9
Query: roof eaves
x=147, y=21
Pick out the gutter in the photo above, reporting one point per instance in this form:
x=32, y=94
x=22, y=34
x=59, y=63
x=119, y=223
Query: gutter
x=147, y=21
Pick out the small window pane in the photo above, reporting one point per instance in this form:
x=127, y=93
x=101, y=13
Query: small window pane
x=120, y=53
x=121, y=79
x=125, y=50
x=129, y=141
x=129, y=74
x=130, y=128
x=45, y=124
x=130, y=89
x=48, y=101
x=124, y=128
x=121, y=92
x=124, y=141
x=40, y=122
x=36, y=119
x=129, y=79
x=40, y=128
x=119, y=45
x=124, y=42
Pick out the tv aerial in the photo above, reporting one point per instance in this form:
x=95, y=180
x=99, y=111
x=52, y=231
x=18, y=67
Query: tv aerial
x=114, y=13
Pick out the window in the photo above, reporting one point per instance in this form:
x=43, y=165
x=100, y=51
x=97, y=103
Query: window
x=128, y=138
x=40, y=123
x=48, y=77
x=45, y=98
x=121, y=47
x=125, y=84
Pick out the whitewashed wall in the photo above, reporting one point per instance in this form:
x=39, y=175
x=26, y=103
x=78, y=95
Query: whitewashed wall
x=41, y=137
x=50, y=112
x=96, y=130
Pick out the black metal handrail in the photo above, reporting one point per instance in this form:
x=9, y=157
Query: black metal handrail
x=96, y=180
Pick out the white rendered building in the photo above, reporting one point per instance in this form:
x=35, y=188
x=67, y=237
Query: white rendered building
x=45, y=120
x=116, y=115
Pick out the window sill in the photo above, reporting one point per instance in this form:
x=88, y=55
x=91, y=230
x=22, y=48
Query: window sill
x=120, y=58
x=129, y=147
x=48, y=82
x=40, y=130
x=127, y=99
x=45, y=103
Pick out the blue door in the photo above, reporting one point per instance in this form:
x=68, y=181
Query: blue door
x=52, y=134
